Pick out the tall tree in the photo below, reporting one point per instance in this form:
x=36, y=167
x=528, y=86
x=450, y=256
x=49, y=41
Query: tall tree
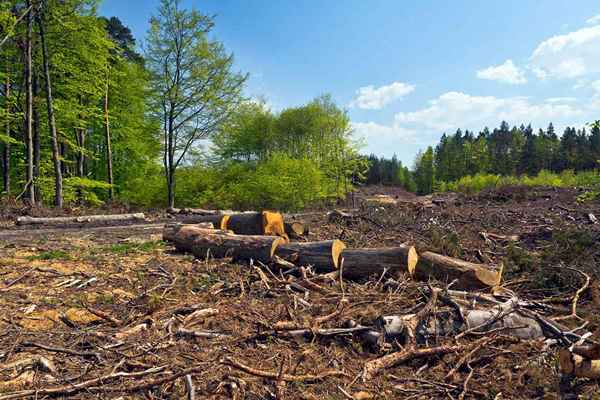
x=29, y=176
x=58, y=179
x=194, y=85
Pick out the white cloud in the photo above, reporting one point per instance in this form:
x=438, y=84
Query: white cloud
x=571, y=55
x=507, y=73
x=372, y=98
x=595, y=85
x=561, y=100
x=595, y=20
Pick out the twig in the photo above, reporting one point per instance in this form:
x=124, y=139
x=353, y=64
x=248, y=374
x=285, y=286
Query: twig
x=466, y=383
x=576, y=296
x=189, y=387
x=275, y=375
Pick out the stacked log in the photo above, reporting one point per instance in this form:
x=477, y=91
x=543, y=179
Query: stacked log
x=295, y=230
x=324, y=256
x=468, y=275
x=245, y=223
x=363, y=263
x=206, y=243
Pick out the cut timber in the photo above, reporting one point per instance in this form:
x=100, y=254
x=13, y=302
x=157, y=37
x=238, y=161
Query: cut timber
x=324, y=255
x=573, y=364
x=363, y=263
x=171, y=230
x=203, y=243
x=468, y=275
x=257, y=223
x=194, y=211
x=80, y=220
x=218, y=221
x=295, y=229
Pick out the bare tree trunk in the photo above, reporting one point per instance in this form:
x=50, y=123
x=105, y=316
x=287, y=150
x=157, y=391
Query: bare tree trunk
x=30, y=186
x=58, y=184
x=169, y=161
x=109, y=164
x=6, y=147
x=36, y=135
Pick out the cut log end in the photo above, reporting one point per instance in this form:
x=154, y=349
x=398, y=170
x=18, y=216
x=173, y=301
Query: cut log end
x=295, y=229
x=273, y=224
x=413, y=259
x=224, y=221
x=337, y=249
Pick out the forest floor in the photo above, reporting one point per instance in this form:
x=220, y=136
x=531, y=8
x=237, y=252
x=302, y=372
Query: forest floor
x=92, y=313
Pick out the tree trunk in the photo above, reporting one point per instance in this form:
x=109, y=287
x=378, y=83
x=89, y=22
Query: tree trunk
x=81, y=220
x=468, y=275
x=576, y=365
x=36, y=135
x=109, y=164
x=324, y=255
x=257, y=223
x=204, y=244
x=30, y=186
x=219, y=221
x=6, y=147
x=58, y=183
x=364, y=263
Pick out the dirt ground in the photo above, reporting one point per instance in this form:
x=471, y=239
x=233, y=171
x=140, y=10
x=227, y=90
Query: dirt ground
x=94, y=313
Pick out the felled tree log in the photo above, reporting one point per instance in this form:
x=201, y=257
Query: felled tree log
x=194, y=211
x=256, y=223
x=204, y=243
x=363, y=263
x=295, y=229
x=573, y=364
x=114, y=218
x=219, y=221
x=323, y=255
x=468, y=275
x=171, y=230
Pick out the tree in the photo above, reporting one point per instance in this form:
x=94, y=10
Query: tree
x=194, y=87
x=425, y=172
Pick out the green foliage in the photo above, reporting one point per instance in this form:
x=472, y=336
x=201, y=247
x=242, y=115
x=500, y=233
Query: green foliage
x=51, y=255
x=134, y=247
x=567, y=178
x=425, y=172
x=281, y=182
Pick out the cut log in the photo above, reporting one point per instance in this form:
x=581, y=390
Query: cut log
x=218, y=221
x=171, y=230
x=573, y=364
x=324, y=255
x=363, y=263
x=295, y=230
x=257, y=223
x=81, y=219
x=468, y=275
x=204, y=243
x=339, y=216
x=194, y=211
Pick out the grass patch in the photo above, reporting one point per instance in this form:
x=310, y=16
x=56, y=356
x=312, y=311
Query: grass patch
x=51, y=255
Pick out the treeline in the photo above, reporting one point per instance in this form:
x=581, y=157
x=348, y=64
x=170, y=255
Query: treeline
x=506, y=151
x=384, y=171
x=86, y=118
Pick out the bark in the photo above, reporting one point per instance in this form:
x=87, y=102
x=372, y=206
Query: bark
x=30, y=187
x=219, y=221
x=194, y=211
x=364, y=263
x=58, y=182
x=203, y=243
x=6, y=147
x=468, y=275
x=81, y=219
x=109, y=163
x=573, y=364
x=324, y=255
x=257, y=223
x=170, y=230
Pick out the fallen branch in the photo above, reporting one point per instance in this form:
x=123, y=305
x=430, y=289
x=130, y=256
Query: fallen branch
x=276, y=376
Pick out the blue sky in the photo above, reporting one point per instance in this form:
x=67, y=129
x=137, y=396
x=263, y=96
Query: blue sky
x=409, y=71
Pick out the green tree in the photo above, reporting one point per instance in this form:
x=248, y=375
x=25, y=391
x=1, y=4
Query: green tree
x=195, y=89
x=425, y=172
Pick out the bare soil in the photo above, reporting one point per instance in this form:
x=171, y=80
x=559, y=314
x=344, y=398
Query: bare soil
x=52, y=281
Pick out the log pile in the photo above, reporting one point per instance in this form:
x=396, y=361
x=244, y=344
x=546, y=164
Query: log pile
x=250, y=236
